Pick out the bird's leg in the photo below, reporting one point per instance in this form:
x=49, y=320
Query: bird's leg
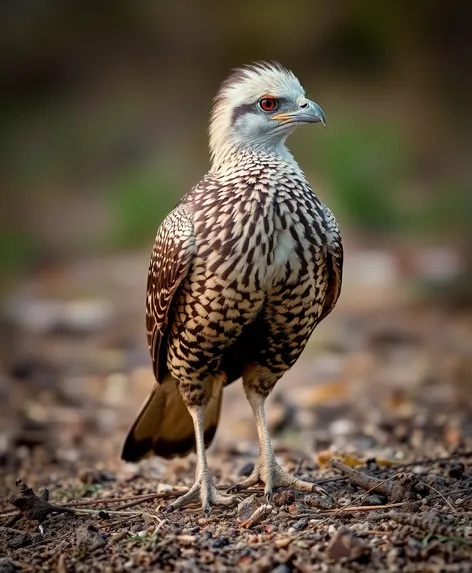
x=203, y=488
x=267, y=470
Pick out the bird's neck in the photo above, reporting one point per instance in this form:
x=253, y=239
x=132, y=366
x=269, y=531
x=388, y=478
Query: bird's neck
x=233, y=156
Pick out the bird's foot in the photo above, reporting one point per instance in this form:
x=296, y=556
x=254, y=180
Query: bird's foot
x=273, y=476
x=203, y=490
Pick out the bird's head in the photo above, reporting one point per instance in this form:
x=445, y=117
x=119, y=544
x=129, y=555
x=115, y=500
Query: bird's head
x=257, y=107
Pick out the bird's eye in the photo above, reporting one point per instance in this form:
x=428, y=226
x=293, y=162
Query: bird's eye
x=268, y=103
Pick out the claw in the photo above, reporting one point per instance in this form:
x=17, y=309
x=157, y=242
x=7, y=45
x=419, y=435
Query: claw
x=204, y=491
x=321, y=491
x=269, y=472
x=234, y=488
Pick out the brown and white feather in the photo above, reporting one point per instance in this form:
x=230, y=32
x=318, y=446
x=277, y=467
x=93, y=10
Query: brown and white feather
x=242, y=271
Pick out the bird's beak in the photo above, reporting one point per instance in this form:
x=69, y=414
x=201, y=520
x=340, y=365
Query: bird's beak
x=308, y=112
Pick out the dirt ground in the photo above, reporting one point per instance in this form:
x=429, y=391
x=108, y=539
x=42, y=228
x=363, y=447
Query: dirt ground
x=377, y=412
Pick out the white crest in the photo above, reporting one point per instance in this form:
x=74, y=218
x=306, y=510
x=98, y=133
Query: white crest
x=244, y=87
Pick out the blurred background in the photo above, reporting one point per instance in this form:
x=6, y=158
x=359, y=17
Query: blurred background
x=104, y=111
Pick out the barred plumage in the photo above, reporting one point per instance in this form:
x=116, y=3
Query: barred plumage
x=242, y=271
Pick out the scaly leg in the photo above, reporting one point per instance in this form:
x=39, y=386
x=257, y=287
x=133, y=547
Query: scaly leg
x=203, y=488
x=267, y=470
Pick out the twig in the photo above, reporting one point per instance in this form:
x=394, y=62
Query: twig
x=331, y=480
x=11, y=529
x=158, y=527
x=451, y=493
x=45, y=541
x=109, y=500
x=400, y=487
x=365, y=507
x=346, y=508
x=425, y=523
x=140, y=501
x=112, y=524
x=361, y=479
x=298, y=469
x=86, y=511
x=35, y=507
x=427, y=461
x=448, y=503
x=10, y=514
x=403, y=466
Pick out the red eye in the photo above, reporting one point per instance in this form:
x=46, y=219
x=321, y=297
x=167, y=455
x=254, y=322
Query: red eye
x=268, y=103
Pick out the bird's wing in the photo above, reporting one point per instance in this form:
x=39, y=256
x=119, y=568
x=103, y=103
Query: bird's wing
x=171, y=258
x=334, y=261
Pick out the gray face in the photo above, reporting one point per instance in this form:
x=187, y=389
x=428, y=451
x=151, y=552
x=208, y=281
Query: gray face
x=258, y=107
x=271, y=119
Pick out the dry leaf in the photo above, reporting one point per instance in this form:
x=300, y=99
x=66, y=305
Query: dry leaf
x=326, y=456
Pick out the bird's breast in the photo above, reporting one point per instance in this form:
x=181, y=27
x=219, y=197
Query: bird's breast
x=252, y=250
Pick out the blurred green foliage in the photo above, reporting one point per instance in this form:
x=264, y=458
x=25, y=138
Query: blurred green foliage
x=365, y=166
x=17, y=249
x=138, y=203
x=446, y=216
x=96, y=98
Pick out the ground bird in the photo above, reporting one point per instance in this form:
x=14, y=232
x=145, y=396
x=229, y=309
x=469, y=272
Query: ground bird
x=242, y=270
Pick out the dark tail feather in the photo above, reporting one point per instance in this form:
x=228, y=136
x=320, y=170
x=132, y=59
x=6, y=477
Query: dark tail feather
x=165, y=428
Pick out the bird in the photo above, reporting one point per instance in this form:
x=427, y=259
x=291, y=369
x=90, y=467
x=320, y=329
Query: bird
x=241, y=272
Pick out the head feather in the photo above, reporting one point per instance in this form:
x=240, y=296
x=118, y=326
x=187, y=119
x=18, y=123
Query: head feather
x=246, y=85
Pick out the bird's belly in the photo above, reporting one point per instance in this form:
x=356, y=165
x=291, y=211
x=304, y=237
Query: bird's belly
x=218, y=307
x=223, y=296
x=281, y=266
x=208, y=318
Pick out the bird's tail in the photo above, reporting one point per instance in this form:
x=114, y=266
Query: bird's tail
x=164, y=426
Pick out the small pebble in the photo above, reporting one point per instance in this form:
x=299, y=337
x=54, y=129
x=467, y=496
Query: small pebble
x=300, y=524
x=456, y=470
x=186, y=539
x=219, y=542
x=247, y=507
x=332, y=528
x=194, y=530
x=281, y=569
x=283, y=498
x=117, y=537
x=7, y=565
x=164, y=487
x=375, y=500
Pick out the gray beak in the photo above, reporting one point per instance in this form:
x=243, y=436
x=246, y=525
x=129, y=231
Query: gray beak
x=317, y=113
x=308, y=112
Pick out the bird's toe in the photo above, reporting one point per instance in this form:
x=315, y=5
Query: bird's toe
x=321, y=491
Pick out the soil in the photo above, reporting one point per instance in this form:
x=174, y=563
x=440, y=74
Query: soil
x=377, y=412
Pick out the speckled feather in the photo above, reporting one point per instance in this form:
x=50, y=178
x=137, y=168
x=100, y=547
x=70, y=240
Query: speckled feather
x=242, y=270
